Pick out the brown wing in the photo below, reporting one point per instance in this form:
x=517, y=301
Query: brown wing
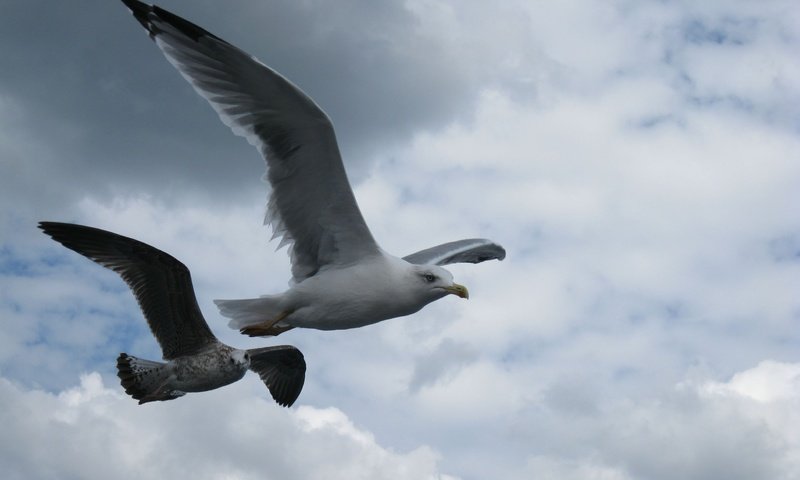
x=162, y=285
x=282, y=369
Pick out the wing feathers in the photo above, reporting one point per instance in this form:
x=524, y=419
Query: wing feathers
x=161, y=284
x=471, y=250
x=310, y=196
x=282, y=369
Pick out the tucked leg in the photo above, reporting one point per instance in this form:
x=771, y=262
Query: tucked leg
x=268, y=328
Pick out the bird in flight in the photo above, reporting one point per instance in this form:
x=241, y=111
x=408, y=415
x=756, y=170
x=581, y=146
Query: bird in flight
x=341, y=278
x=195, y=361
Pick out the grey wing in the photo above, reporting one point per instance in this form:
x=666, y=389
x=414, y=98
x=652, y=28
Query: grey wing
x=282, y=369
x=471, y=250
x=311, y=205
x=162, y=285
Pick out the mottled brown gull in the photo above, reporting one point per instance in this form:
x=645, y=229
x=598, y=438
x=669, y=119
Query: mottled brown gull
x=195, y=360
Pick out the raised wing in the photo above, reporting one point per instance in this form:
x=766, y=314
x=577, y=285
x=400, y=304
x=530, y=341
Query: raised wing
x=311, y=205
x=471, y=250
x=162, y=285
x=282, y=369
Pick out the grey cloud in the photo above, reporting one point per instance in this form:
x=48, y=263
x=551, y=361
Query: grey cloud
x=96, y=113
x=442, y=363
x=573, y=396
x=113, y=116
x=720, y=31
x=785, y=248
x=683, y=433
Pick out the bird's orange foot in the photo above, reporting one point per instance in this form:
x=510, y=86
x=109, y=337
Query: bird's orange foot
x=260, y=331
x=268, y=328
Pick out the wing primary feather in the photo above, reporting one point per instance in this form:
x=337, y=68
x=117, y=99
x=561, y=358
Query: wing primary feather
x=161, y=284
x=471, y=250
x=310, y=195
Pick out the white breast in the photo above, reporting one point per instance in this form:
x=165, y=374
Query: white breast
x=355, y=296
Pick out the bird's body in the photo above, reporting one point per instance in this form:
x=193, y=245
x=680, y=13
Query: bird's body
x=213, y=368
x=195, y=361
x=354, y=296
x=341, y=278
x=358, y=295
x=218, y=365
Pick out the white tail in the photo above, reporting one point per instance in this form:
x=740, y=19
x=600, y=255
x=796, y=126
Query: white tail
x=249, y=311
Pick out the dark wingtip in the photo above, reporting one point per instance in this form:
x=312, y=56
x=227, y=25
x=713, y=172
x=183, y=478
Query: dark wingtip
x=138, y=8
x=48, y=227
x=496, y=252
x=71, y=235
x=184, y=26
x=140, y=12
x=143, y=12
x=501, y=253
x=59, y=230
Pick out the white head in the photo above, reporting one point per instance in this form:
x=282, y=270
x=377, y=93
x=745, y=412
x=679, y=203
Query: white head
x=240, y=357
x=437, y=282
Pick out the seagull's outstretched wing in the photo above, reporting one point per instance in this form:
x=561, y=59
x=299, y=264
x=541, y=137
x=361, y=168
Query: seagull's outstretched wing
x=472, y=250
x=282, y=369
x=162, y=285
x=311, y=205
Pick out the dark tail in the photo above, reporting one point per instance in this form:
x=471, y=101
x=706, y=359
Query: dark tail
x=282, y=369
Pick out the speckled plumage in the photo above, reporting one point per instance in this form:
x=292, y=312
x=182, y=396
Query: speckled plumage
x=195, y=361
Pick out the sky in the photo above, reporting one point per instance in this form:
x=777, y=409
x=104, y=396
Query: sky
x=639, y=161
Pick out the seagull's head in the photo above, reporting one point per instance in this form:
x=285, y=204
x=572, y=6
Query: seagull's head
x=241, y=358
x=438, y=282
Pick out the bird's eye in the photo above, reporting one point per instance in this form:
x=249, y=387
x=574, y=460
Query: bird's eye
x=429, y=277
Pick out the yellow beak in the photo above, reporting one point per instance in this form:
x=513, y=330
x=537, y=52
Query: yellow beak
x=459, y=290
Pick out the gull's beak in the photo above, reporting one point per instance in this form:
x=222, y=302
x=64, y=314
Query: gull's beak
x=459, y=290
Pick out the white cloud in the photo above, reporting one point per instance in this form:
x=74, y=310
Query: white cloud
x=701, y=429
x=769, y=382
x=91, y=431
x=637, y=160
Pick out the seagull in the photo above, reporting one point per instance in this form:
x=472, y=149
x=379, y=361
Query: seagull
x=341, y=278
x=195, y=360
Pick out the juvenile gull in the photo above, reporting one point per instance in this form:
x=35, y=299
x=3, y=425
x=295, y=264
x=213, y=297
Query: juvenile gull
x=341, y=278
x=195, y=360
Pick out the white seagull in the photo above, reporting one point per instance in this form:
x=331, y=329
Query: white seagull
x=341, y=278
x=195, y=360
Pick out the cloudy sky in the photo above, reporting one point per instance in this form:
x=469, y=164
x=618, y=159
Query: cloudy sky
x=639, y=160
